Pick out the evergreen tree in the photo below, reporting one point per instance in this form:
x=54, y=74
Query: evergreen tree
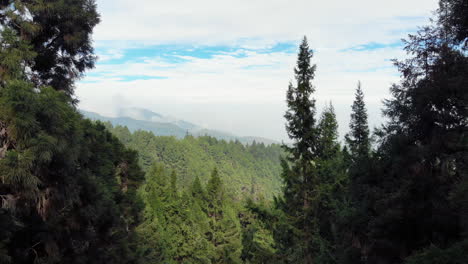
x=224, y=233
x=197, y=190
x=193, y=157
x=328, y=146
x=422, y=160
x=257, y=240
x=59, y=32
x=68, y=187
x=331, y=188
x=299, y=170
x=359, y=169
x=358, y=137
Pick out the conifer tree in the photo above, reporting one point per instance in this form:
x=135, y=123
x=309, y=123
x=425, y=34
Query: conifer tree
x=358, y=137
x=224, y=233
x=68, y=187
x=359, y=189
x=197, y=190
x=59, y=33
x=327, y=128
x=331, y=188
x=299, y=171
x=358, y=142
x=422, y=158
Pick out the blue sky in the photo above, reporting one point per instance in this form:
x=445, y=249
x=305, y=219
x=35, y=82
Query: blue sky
x=226, y=64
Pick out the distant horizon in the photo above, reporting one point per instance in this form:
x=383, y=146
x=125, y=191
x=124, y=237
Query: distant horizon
x=227, y=67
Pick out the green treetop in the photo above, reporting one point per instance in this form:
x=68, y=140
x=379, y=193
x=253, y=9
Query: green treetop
x=358, y=137
x=299, y=171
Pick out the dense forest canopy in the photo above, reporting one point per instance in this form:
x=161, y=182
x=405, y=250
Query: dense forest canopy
x=74, y=190
x=249, y=170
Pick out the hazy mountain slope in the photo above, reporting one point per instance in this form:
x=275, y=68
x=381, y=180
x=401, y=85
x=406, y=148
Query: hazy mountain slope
x=157, y=128
x=143, y=119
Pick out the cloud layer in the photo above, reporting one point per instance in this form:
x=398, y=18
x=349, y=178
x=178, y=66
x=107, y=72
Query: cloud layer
x=227, y=64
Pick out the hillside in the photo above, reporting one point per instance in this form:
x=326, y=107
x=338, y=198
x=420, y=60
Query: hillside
x=246, y=169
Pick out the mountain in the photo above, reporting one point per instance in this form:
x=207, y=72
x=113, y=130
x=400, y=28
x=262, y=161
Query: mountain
x=150, y=116
x=158, y=128
x=160, y=125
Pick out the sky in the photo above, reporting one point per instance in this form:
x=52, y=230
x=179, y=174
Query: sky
x=226, y=65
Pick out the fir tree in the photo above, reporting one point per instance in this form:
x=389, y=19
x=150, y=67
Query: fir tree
x=358, y=137
x=299, y=171
x=359, y=161
x=331, y=188
x=197, y=190
x=327, y=128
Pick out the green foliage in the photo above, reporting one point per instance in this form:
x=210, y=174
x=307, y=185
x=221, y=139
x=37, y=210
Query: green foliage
x=70, y=190
x=358, y=137
x=314, y=176
x=67, y=186
x=188, y=227
x=71, y=176
x=59, y=33
x=258, y=244
x=356, y=212
x=413, y=197
x=299, y=171
x=246, y=169
x=327, y=128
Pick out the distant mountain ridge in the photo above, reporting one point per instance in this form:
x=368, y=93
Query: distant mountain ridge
x=143, y=119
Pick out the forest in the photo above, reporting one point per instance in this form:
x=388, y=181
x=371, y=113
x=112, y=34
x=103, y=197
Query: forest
x=248, y=169
x=79, y=191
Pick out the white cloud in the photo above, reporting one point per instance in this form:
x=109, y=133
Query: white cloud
x=330, y=23
x=226, y=82
x=110, y=54
x=245, y=94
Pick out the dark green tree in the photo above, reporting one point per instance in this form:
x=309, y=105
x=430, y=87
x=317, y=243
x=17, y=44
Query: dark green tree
x=354, y=224
x=328, y=145
x=299, y=169
x=358, y=138
x=330, y=188
x=59, y=32
x=224, y=233
x=257, y=240
x=422, y=158
x=68, y=187
x=452, y=16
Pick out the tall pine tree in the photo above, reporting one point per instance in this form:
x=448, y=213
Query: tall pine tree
x=299, y=169
x=358, y=137
x=355, y=223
